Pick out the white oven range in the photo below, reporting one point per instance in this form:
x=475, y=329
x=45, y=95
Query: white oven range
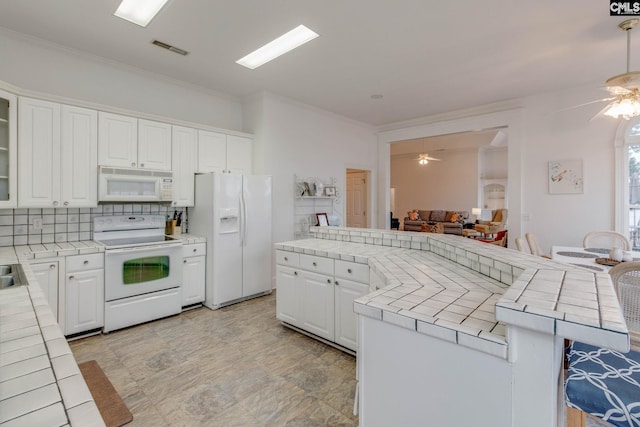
x=143, y=269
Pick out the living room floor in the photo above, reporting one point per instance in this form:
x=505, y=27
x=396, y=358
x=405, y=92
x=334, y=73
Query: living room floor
x=237, y=366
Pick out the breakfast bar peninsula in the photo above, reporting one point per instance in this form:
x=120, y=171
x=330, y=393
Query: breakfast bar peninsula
x=455, y=332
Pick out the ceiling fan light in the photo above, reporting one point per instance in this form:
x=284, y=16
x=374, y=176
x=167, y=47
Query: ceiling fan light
x=423, y=161
x=627, y=106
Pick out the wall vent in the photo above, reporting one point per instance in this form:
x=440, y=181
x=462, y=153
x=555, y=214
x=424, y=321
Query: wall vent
x=170, y=48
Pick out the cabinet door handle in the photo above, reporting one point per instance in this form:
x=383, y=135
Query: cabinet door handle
x=141, y=165
x=52, y=266
x=295, y=273
x=337, y=284
x=349, y=270
x=184, y=261
x=133, y=164
x=328, y=280
x=86, y=262
x=286, y=259
x=72, y=277
x=66, y=203
x=55, y=203
x=195, y=250
x=315, y=265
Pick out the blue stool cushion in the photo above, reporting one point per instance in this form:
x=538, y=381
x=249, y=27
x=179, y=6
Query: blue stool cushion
x=604, y=383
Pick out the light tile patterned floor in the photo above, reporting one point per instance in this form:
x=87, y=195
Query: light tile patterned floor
x=231, y=367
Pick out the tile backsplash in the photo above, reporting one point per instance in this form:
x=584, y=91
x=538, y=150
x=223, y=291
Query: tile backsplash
x=18, y=226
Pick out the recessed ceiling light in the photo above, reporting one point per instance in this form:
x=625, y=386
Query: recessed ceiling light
x=140, y=12
x=376, y=96
x=283, y=44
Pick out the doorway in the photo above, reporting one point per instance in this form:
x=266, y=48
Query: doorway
x=357, y=197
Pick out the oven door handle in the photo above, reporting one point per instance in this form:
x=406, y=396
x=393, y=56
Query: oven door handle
x=142, y=248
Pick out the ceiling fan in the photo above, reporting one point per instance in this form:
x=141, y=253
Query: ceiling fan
x=424, y=158
x=625, y=87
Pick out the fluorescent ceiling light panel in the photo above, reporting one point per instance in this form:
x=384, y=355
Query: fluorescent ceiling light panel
x=283, y=44
x=140, y=12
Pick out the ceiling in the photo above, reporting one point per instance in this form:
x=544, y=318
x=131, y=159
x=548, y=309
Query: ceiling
x=424, y=57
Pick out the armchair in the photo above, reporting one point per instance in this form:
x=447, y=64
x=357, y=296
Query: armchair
x=498, y=223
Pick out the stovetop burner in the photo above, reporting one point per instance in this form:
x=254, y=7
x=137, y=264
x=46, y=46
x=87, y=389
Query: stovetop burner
x=121, y=231
x=136, y=241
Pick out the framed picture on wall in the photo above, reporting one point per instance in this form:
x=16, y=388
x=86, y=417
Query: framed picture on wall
x=323, y=220
x=330, y=191
x=565, y=177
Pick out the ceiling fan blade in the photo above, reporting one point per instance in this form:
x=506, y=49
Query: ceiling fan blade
x=587, y=103
x=617, y=90
x=600, y=113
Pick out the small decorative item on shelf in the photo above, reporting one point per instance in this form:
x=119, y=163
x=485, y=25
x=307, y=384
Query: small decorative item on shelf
x=330, y=191
x=307, y=189
x=323, y=220
x=319, y=188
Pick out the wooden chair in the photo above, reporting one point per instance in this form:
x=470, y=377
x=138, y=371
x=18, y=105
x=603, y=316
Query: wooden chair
x=605, y=383
x=626, y=280
x=606, y=240
x=532, y=240
x=522, y=245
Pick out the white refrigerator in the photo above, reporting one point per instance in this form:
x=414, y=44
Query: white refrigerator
x=233, y=212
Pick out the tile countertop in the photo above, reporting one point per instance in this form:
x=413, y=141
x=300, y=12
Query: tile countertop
x=40, y=382
x=467, y=292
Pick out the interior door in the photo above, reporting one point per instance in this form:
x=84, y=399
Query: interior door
x=357, y=199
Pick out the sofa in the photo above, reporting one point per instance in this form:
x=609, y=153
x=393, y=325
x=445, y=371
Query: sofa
x=452, y=221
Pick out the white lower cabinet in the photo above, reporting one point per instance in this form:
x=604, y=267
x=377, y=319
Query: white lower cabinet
x=193, y=273
x=346, y=320
x=46, y=274
x=316, y=294
x=84, y=293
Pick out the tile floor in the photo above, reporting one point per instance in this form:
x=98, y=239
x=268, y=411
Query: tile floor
x=236, y=366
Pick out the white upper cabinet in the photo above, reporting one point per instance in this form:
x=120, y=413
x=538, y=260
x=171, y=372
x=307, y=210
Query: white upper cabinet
x=39, y=153
x=79, y=157
x=134, y=143
x=57, y=155
x=8, y=149
x=222, y=153
x=117, y=140
x=239, y=154
x=184, y=149
x=154, y=145
x=212, y=151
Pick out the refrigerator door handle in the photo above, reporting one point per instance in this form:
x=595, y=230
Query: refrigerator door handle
x=243, y=221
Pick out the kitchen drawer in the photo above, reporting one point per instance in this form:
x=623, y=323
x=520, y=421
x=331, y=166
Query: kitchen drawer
x=195, y=249
x=290, y=259
x=84, y=262
x=316, y=264
x=352, y=271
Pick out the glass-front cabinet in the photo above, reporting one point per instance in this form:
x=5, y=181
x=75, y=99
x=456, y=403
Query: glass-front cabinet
x=8, y=141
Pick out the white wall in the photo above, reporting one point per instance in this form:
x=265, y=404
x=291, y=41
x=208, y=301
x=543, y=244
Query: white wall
x=449, y=184
x=538, y=132
x=39, y=67
x=295, y=139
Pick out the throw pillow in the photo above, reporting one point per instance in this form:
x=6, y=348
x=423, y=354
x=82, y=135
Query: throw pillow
x=454, y=217
x=438, y=216
x=413, y=216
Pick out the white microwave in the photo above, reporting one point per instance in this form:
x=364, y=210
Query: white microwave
x=134, y=185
